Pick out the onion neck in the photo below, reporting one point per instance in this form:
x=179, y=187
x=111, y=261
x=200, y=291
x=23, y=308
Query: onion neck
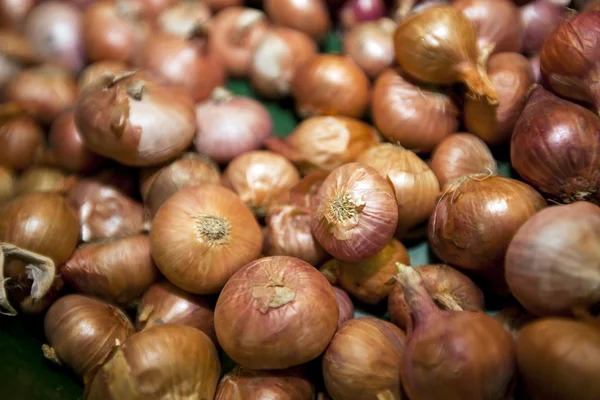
x=421, y=305
x=478, y=83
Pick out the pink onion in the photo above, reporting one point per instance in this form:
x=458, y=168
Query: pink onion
x=356, y=11
x=539, y=18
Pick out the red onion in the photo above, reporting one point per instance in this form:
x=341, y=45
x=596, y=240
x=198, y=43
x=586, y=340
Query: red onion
x=371, y=45
x=229, y=125
x=345, y=306
x=356, y=11
x=539, y=19
x=13, y=12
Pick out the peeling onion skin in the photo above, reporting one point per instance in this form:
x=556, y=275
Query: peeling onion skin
x=552, y=262
x=164, y=362
x=371, y=45
x=345, y=306
x=309, y=16
x=262, y=326
x=95, y=73
x=548, y=134
x=181, y=18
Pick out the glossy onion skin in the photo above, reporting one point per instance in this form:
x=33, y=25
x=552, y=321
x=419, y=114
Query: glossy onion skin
x=21, y=141
x=189, y=258
x=345, y=306
x=164, y=362
x=275, y=313
x=371, y=45
x=552, y=262
x=556, y=148
x=559, y=359
x=310, y=16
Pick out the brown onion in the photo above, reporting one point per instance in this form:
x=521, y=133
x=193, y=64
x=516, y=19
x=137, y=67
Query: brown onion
x=275, y=313
x=21, y=138
x=230, y=125
x=511, y=75
x=165, y=303
x=370, y=280
x=183, y=17
x=7, y=184
x=459, y=155
x=104, y=211
x=331, y=84
x=477, y=217
x=15, y=54
x=262, y=179
x=449, y=289
x=118, y=270
x=325, y=143
x=513, y=318
x=217, y=5
x=43, y=179
x=348, y=363
x=345, y=306
x=166, y=361
x=234, y=34
x=415, y=116
x=539, y=19
x=96, y=73
x=371, y=45
x=276, y=58
x=13, y=12
x=415, y=185
x=544, y=143
x=202, y=235
x=135, y=119
x=82, y=331
x=309, y=16
x=551, y=264
x=189, y=170
x=592, y=5
x=439, y=45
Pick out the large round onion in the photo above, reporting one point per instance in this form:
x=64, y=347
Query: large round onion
x=248, y=384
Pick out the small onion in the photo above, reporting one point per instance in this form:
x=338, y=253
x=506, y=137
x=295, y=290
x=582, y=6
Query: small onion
x=345, y=306
x=21, y=138
x=275, y=313
x=166, y=361
x=308, y=16
x=96, y=73
x=15, y=54
x=371, y=45
x=459, y=155
x=331, y=84
x=183, y=17
x=13, y=12
x=202, y=235
x=539, y=19
x=417, y=117
x=43, y=179
x=356, y=11
x=348, y=363
x=304, y=192
x=276, y=58
x=230, y=125
x=7, y=185
x=355, y=213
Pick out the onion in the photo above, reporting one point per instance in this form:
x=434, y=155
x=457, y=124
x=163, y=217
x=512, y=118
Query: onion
x=355, y=213
x=510, y=73
x=559, y=359
x=276, y=58
x=96, y=73
x=325, y=143
x=167, y=361
x=356, y=347
x=449, y=289
x=345, y=306
x=135, y=120
x=275, y=313
x=303, y=193
x=54, y=30
x=7, y=185
x=247, y=384
x=549, y=131
x=201, y=236
x=535, y=69
x=355, y=12
x=44, y=91
x=331, y=84
x=234, y=34
x=221, y=4
x=592, y=5
x=183, y=18
x=15, y=54
x=407, y=7
x=439, y=45
x=569, y=64
x=82, y=331
x=114, y=30
x=513, y=318
x=477, y=217
x=262, y=179
x=43, y=179
x=539, y=19
x=230, y=125
x=189, y=170
x=370, y=280
x=184, y=62
x=459, y=155
x=21, y=138
x=413, y=115
x=371, y=45
x=415, y=185
x=165, y=303
x=13, y=12
x=453, y=354
x=308, y=16
x=551, y=263
x=104, y=211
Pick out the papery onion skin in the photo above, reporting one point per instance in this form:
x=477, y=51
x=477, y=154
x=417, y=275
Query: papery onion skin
x=551, y=264
x=310, y=17
x=371, y=45
x=247, y=384
x=82, y=331
x=357, y=346
x=21, y=141
x=94, y=74
x=7, y=183
x=459, y=155
x=136, y=120
x=345, y=306
x=415, y=116
x=165, y=361
x=183, y=17
x=331, y=84
x=275, y=313
x=545, y=138
x=43, y=179
x=539, y=18
x=559, y=359
x=450, y=289
x=202, y=235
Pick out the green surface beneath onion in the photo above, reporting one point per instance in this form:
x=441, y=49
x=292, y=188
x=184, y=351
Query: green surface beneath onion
x=26, y=375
